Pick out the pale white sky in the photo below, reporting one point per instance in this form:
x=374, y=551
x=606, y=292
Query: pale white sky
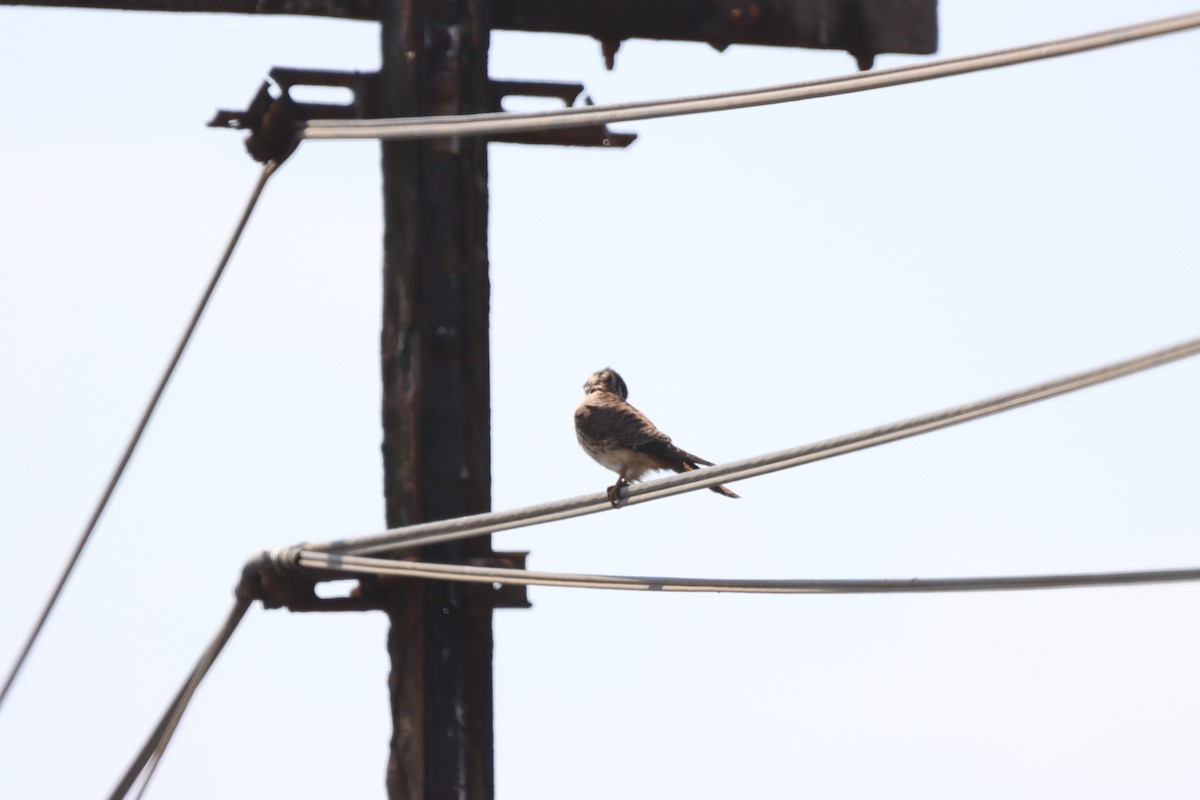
x=761, y=279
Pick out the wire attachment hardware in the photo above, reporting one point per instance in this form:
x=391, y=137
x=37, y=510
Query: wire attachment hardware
x=568, y=93
x=505, y=595
x=274, y=119
x=278, y=580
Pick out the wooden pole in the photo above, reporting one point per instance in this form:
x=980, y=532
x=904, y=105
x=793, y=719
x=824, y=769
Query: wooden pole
x=436, y=397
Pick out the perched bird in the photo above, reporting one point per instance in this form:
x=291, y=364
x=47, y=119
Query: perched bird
x=621, y=438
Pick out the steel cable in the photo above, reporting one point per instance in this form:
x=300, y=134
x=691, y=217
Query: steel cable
x=491, y=124
x=469, y=574
x=268, y=169
x=142, y=769
x=505, y=122
x=480, y=524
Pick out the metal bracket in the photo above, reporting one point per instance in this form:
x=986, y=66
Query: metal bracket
x=272, y=120
x=363, y=85
x=374, y=591
x=276, y=585
x=506, y=595
x=568, y=93
x=273, y=579
x=272, y=117
x=272, y=124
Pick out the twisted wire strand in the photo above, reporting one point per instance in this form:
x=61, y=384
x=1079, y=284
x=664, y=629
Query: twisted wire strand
x=470, y=574
x=136, y=437
x=146, y=762
x=480, y=524
x=506, y=122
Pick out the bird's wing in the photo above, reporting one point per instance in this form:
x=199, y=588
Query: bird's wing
x=607, y=418
x=672, y=456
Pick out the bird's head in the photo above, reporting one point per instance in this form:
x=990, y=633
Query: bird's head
x=606, y=380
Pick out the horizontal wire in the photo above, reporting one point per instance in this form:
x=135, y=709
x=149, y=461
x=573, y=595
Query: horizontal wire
x=471, y=574
x=506, y=122
x=136, y=437
x=480, y=524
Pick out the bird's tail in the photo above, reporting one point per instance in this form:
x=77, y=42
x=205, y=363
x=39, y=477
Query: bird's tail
x=689, y=463
x=725, y=490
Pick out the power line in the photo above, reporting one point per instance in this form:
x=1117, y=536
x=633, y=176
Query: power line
x=505, y=122
x=147, y=760
x=470, y=574
x=268, y=169
x=142, y=769
x=320, y=557
x=490, y=124
x=480, y=524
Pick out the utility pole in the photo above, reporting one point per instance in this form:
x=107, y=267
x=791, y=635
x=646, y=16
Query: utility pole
x=436, y=396
x=434, y=341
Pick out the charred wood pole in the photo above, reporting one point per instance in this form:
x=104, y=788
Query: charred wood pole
x=435, y=362
x=436, y=398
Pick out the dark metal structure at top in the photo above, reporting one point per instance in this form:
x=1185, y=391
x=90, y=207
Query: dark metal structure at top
x=863, y=28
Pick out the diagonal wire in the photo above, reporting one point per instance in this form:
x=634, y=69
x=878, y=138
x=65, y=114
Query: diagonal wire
x=480, y=524
x=312, y=557
x=472, y=574
x=143, y=766
x=268, y=169
x=505, y=122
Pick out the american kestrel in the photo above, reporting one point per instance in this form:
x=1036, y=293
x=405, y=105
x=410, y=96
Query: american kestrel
x=621, y=438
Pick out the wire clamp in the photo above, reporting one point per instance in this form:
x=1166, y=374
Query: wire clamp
x=274, y=115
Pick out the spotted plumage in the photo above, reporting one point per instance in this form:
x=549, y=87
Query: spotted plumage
x=622, y=439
